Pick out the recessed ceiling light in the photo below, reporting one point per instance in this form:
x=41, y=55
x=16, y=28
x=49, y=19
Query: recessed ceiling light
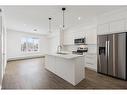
x=24, y=24
x=79, y=18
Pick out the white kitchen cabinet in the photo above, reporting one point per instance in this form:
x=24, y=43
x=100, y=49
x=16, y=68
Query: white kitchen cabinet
x=112, y=27
x=126, y=25
x=91, y=61
x=68, y=38
x=91, y=36
x=68, y=67
x=79, y=34
x=117, y=26
x=103, y=29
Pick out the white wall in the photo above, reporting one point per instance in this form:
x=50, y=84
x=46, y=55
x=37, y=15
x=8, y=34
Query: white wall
x=54, y=41
x=14, y=44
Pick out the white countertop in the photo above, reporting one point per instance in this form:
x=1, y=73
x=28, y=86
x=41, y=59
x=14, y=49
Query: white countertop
x=67, y=56
x=89, y=53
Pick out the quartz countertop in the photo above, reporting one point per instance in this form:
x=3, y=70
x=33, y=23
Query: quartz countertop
x=67, y=55
x=90, y=53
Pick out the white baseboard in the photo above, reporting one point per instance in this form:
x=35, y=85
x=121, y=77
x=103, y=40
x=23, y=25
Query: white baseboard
x=91, y=69
x=27, y=57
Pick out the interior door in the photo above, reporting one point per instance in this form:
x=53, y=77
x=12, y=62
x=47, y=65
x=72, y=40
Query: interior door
x=102, y=53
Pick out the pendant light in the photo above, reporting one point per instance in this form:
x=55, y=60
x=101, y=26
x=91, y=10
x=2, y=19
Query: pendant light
x=63, y=10
x=50, y=25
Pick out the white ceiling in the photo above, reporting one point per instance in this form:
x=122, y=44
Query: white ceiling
x=28, y=18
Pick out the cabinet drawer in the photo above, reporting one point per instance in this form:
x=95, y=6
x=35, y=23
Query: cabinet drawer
x=90, y=65
x=89, y=60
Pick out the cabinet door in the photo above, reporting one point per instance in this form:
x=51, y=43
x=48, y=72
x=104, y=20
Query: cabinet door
x=117, y=26
x=91, y=36
x=91, y=62
x=126, y=25
x=103, y=29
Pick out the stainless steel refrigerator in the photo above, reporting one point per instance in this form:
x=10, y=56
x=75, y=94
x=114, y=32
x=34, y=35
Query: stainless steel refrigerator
x=112, y=55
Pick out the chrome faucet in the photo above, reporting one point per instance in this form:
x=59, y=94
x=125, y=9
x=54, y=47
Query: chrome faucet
x=59, y=48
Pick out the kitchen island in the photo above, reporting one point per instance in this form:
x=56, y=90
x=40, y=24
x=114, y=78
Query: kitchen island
x=70, y=67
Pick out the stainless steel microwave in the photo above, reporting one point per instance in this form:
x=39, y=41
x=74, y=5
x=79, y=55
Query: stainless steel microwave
x=80, y=41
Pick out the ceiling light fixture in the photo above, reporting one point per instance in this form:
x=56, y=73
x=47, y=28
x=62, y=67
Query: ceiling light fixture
x=63, y=26
x=24, y=24
x=79, y=18
x=50, y=25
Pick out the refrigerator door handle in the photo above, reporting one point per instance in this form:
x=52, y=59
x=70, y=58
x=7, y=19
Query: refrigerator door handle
x=99, y=58
x=106, y=44
x=114, y=55
x=108, y=48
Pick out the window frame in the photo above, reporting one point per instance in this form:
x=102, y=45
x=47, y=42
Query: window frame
x=27, y=42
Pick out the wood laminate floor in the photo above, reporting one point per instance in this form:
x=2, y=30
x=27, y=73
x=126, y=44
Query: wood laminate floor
x=30, y=74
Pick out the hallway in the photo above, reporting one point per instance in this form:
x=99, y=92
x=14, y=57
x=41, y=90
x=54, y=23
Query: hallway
x=30, y=74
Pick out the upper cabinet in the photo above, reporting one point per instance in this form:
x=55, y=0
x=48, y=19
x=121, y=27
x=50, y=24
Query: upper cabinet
x=103, y=29
x=117, y=26
x=112, y=27
x=126, y=25
x=91, y=36
x=68, y=38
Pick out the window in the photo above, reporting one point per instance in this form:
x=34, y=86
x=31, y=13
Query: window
x=29, y=44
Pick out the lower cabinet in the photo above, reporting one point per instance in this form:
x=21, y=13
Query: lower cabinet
x=91, y=61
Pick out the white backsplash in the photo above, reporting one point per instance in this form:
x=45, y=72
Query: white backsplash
x=92, y=48
x=70, y=48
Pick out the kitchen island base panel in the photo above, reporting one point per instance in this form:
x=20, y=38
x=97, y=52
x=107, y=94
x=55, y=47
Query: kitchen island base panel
x=71, y=70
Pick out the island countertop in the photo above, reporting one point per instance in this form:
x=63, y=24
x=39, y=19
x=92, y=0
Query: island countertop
x=67, y=56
